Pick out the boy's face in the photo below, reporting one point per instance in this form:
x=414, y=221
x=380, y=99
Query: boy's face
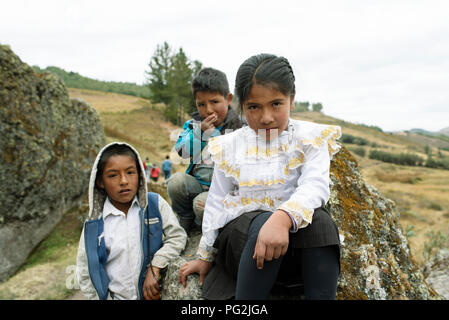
x=210, y=104
x=120, y=180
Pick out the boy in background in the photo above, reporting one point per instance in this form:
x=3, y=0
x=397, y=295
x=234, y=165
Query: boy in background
x=188, y=191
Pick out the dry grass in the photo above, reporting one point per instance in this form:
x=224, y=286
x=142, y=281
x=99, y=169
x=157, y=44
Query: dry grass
x=49, y=272
x=134, y=120
x=108, y=101
x=421, y=197
x=45, y=281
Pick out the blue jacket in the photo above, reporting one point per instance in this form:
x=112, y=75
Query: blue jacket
x=166, y=165
x=96, y=248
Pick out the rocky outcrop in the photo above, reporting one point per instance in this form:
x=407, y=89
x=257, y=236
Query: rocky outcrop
x=172, y=289
x=376, y=261
x=48, y=143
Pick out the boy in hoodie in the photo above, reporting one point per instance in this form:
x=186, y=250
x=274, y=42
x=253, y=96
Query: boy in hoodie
x=121, y=251
x=188, y=191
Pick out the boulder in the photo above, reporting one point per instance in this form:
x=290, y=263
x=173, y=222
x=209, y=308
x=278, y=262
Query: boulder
x=48, y=144
x=172, y=289
x=376, y=262
x=376, y=259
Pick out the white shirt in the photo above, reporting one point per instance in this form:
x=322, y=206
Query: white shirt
x=290, y=173
x=122, y=240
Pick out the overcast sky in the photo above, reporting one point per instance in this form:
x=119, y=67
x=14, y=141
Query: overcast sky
x=376, y=62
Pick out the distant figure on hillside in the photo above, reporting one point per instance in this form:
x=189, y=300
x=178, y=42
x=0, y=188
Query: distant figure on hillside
x=154, y=172
x=188, y=191
x=113, y=260
x=147, y=168
x=166, y=167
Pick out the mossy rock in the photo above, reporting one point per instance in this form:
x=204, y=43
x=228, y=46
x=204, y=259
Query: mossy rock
x=48, y=144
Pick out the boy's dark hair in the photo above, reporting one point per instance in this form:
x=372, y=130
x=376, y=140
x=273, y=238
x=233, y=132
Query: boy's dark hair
x=116, y=149
x=210, y=80
x=267, y=70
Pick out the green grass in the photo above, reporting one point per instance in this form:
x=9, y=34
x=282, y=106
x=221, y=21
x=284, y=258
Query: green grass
x=66, y=233
x=45, y=273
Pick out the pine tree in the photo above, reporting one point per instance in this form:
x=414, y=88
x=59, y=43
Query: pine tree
x=158, y=73
x=170, y=79
x=317, y=107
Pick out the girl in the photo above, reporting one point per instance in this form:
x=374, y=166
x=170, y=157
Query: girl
x=124, y=221
x=264, y=219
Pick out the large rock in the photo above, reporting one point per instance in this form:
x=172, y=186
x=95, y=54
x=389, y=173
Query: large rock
x=172, y=289
x=375, y=258
x=48, y=144
x=375, y=255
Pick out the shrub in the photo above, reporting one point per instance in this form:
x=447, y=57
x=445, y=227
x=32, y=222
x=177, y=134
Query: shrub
x=405, y=159
x=359, y=151
x=435, y=206
x=347, y=138
x=437, y=164
x=410, y=231
x=437, y=241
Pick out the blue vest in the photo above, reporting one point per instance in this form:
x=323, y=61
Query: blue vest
x=96, y=249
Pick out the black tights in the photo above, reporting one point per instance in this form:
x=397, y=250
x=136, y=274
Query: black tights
x=320, y=269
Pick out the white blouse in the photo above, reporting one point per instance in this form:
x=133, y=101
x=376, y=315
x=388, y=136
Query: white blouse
x=290, y=173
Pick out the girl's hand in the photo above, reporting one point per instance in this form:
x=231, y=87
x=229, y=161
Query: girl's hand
x=151, y=289
x=208, y=123
x=272, y=241
x=196, y=266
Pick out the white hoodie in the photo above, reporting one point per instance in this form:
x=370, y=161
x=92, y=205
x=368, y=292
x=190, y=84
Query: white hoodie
x=174, y=236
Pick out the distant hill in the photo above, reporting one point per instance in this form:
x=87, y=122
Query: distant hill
x=75, y=80
x=445, y=131
x=438, y=139
x=422, y=131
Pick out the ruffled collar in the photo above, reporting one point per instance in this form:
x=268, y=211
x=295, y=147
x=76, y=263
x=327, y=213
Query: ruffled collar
x=233, y=150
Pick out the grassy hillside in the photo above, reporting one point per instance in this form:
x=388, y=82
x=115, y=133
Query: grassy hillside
x=421, y=194
x=136, y=121
x=75, y=80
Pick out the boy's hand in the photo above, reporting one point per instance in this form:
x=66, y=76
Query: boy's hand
x=273, y=238
x=196, y=266
x=151, y=289
x=208, y=123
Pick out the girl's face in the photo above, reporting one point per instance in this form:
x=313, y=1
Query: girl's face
x=120, y=180
x=267, y=111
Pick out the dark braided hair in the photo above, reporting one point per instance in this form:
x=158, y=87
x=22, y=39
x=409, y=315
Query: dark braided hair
x=266, y=70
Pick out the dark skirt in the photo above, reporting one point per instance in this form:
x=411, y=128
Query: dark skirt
x=220, y=282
